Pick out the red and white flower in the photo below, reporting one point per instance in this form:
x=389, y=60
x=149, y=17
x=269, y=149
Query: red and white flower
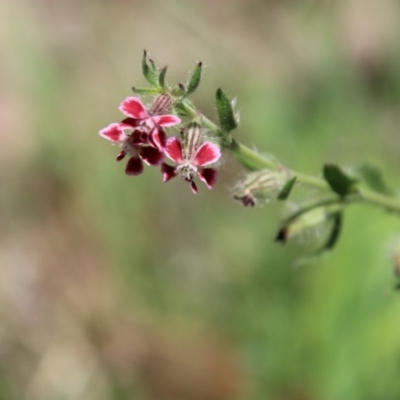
x=147, y=140
x=138, y=115
x=138, y=146
x=191, y=154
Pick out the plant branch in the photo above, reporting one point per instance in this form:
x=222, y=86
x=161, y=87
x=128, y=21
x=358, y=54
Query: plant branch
x=253, y=160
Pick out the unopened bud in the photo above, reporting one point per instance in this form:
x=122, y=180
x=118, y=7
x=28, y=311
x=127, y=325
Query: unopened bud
x=309, y=219
x=301, y=224
x=258, y=185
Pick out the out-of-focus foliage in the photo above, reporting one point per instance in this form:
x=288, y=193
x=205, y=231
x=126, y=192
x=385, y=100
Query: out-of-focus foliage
x=113, y=287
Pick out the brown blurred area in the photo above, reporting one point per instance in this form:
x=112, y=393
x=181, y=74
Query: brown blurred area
x=66, y=332
x=89, y=266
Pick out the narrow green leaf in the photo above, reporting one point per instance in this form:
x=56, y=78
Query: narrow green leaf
x=195, y=79
x=339, y=182
x=227, y=120
x=149, y=70
x=161, y=78
x=145, y=91
x=372, y=176
x=287, y=189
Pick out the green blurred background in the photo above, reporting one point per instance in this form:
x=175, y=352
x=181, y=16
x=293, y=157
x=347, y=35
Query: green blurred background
x=113, y=287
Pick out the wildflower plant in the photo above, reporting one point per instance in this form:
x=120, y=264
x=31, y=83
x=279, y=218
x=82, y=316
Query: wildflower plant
x=173, y=129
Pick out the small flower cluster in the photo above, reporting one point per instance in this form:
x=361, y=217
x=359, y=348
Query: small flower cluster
x=142, y=137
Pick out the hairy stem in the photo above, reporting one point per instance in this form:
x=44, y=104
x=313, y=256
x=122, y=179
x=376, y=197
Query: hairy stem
x=253, y=160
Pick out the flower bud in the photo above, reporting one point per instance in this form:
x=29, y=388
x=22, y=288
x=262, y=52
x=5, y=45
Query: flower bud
x=309, y=219
x=304, y=222
x=258, y=185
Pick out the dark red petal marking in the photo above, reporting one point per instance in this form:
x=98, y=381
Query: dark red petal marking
x=173, y=149
x=193, y=187
x=168, y=172
x=158, y=138
x=121, y=155
x=246, y=200
x=113, y=132
x=134, y=166
x=144, y=137
x=151, y=155
x=133, y=107
x=166, y=120
x=138, y=137
x=208, y=176
x=130, y=122
x=207, y=153
x=192, y=139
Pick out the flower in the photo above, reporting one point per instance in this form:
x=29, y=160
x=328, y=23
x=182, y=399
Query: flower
x=191, y=154
x=139, y=116
x=138, y=145
x=147, y=140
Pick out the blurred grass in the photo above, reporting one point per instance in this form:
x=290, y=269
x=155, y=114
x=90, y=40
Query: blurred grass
x=115, y=287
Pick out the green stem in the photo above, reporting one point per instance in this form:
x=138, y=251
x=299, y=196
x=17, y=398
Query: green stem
x=256, y=161
x=253, y=160
x=193, y=113
x=391, y=204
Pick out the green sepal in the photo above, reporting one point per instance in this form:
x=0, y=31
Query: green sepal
x=180, y=110
x=372, y=177
x=161, y=77
x=227, y=120
x=287, y=189
x=178, y=91
x=149, y=70
x=145, y=91
x=340, y=183
x=337, y=218
x=195, y=79
x=152, y=64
